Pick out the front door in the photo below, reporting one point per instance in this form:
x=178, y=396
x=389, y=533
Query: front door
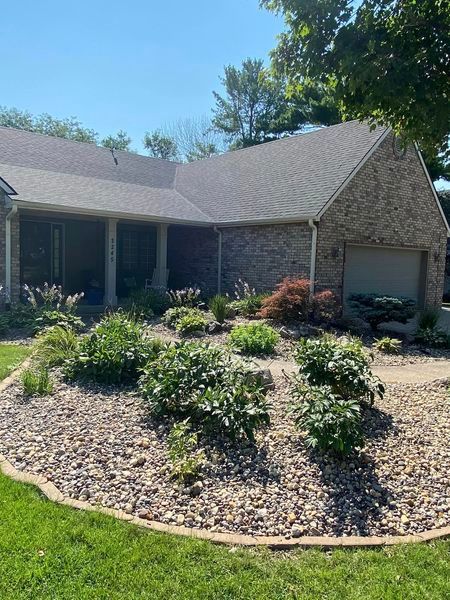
x=41, y=253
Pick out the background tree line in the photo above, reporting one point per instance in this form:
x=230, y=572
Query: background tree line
x=383, y=61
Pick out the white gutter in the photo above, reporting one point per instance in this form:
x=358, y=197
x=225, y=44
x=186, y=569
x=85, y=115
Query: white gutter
x=8, y=269
x=219, y=260
x=312, y=268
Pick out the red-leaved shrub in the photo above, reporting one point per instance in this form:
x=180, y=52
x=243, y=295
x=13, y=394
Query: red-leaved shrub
x=325, y=306
x=290, y=301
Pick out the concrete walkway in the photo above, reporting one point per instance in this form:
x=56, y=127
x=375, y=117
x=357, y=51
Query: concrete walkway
x=410, y=373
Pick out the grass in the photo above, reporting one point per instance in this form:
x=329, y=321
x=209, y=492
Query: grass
x=53, y=552
x=11, y=355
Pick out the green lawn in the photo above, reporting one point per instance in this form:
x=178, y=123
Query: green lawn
x=49, y=551
x=11, y=355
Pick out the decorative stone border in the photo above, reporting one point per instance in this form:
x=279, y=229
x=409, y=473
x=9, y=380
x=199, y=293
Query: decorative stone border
x=231, y=539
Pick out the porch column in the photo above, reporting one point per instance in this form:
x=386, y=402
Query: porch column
x=161, y=255
x=110, y=262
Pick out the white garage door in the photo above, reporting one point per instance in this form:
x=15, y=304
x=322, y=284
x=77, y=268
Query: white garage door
x=381, y=270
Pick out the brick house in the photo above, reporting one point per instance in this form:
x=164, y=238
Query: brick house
x=344, y=206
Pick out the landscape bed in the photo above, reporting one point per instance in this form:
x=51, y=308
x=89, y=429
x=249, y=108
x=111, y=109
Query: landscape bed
x=98, y=444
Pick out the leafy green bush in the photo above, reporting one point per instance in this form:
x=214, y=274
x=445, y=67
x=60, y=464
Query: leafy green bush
x=219, y=306
x=172, y=316
x=254, y=339
x=248, y=306
x=248, y=303
x=428, y=319
x=56, y=345
x=388, y=345
x=114, y=352
x=203, y=383
x=332, y=423
x=191, y=323
x=36, y=382
x=340, y=364
x=50, y=318
x=432, y=337
x=4, y=323
x=145, y=303
x=377, y=309
x=184, y=454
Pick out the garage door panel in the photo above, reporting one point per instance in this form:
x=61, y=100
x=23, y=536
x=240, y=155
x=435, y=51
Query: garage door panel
x=381, y=270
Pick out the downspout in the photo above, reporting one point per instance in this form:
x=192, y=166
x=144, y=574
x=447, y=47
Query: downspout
x=8, y=266
x=219, y=260
x=312, y=268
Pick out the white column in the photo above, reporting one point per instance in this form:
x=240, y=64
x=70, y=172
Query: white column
x=161, y=255
x=110, y=262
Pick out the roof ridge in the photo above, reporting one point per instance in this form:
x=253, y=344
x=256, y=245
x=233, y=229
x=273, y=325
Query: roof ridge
x=91, y=144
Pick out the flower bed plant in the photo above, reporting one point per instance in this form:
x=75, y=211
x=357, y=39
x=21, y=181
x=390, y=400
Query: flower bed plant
x=254, y=339
x=203, y=383
x=376, y=309
x=114, y=352
x=334, y=380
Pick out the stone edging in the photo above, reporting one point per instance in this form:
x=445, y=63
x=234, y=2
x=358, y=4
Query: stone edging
x=231, y=539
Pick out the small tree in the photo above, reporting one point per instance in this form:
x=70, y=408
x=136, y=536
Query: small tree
x=160, y=145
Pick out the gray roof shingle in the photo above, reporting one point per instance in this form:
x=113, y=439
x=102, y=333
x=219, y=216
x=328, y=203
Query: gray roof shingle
x=286, y=179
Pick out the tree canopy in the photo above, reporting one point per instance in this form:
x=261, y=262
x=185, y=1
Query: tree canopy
x=69, y=128
x=387, y=60
x=160, y=145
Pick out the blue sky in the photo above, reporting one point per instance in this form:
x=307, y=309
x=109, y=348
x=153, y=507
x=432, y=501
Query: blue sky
x=132, y=65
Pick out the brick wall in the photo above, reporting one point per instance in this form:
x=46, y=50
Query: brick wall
x=15, y=249
x=263, y=254
x=388, y=202
x=192, y=257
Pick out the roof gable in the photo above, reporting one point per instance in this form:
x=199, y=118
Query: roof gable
x=286, y=180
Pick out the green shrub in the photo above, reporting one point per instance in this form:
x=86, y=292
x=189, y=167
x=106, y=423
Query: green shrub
x=4, y=323
x=388, y=345
x=172, y=316
x=332, y=423
x=36, y=382
x=254, y=339
x=203, y=383
x=146, y=303
x=189, y=296
x=340, y=364
x=56, y=345
x=191, y=323
x=377, y=309
x=219, y=306
x=428, y=319
x=432, y=337
x=248, y=306
x=50, y=318
x=184, y=454
x=114, y=352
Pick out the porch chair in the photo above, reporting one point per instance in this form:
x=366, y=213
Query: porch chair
x=154, y=283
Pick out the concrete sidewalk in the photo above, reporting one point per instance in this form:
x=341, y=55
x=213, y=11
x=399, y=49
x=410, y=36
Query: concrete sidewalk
x=420, y=372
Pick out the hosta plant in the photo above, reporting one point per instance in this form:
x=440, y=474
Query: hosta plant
x=184, y=453
x=191, y=323
x=254, y=339
x=388, y=345
x=114, y=352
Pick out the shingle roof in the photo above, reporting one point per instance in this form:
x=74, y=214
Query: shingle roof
x=286, y=179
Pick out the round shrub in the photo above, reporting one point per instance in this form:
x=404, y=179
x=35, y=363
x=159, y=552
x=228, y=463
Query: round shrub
x=114, y=352
x=254, y=339
x=173, y=315
x=191, y=323
x=290, y=301
x=332, y=423
x=203, y=383
x=377, y=309
x=339, y=363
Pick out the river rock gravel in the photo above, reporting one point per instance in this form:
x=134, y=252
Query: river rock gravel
x=98, y=445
